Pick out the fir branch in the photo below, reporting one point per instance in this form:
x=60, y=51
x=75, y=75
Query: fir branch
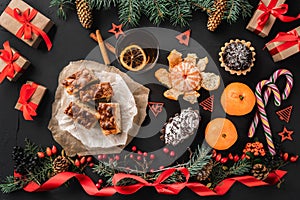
x=31, y=148
x=63, y=6
x=104, y=170
x=204, y=5
x=10, y=184
x=130, y=12
x=246, y=8
x=239, y=168
x=155, y=10
x=180, y=12
x=106, y=4
x=43, y=172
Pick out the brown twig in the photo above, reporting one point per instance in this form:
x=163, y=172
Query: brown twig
x=108, y=46
x=102, y=48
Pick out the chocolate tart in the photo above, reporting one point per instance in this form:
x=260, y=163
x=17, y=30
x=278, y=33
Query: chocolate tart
x=237, y=57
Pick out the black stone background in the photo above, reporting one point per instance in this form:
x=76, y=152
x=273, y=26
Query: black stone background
x=71, y=42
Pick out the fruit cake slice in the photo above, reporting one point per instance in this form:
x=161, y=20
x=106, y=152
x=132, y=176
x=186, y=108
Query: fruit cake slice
x=110, y=118
x=95, y=93
x=77, y=81
x=82, y=115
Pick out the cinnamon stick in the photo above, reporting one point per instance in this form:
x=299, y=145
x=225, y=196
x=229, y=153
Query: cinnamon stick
x=102, y=48
x=108, y=46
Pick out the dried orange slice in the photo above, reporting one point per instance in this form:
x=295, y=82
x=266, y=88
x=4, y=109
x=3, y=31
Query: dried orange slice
x=133, y=58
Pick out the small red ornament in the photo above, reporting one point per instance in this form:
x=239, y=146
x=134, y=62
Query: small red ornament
x=98, y=185
x=91, y=165
x=82, y=160
x=218, y=157
x=285, y=114
x=152, y=156
x=48, y=151
x=53, y=150
x=145, y=154
x=184, y=38
x=140, y=152
x=294, y=158
x=224, y=160
x=285, y=156
x=230, y=156
x=100, y=181
x=89, y=159
x=139, y=157
x=166, y=150
x=117, y=30
x=133, y=148
x=208, y=104
x=172, y=153
x=40, y=154
x=77, y=163
x=236, y=158
x=156, y=107
x=286, y=134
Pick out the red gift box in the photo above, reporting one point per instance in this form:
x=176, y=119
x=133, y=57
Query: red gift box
x=284, y=45
x=12, y=64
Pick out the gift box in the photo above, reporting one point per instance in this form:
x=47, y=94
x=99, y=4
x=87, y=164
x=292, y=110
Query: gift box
x=262, y=20
x=30, y=97
x=284, y=45
x=12, y=64
x=26, y=23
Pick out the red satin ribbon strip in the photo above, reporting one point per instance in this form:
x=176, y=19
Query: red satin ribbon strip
x=9, y=58
x=89, y=186
x=27, y=28
x=277, y=12
x=289, y=39
x=28, y=108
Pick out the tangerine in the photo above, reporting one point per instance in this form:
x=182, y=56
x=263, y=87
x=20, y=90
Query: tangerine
x=220, y=134
x=238, y=99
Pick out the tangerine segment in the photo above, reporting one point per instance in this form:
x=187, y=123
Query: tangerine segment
x=220, y=134
x=238, y=99
x=133, y=58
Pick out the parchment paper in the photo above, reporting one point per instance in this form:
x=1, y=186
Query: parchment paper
x=66, y=137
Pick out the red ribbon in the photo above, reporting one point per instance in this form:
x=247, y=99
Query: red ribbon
x=28, y=108
x=9, y=58
x=277, y=12
x=289, y=39
x=89, y=186
x=27, y=28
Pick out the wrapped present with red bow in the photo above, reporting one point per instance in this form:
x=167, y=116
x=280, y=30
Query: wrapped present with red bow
x=12, y=64
x=26, y=23
x=284, y=44
x=30, y=97
x=266, y=14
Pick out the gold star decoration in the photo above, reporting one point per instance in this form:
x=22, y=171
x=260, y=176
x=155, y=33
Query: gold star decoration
x=117, y=30
x=286, y=134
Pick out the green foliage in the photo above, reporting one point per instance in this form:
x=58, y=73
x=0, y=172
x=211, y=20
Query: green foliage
x=156, y=10
x=62, y=7
x=204, y=5
x=235, y=8
x=130, y=12
x=239, y=168
x=106, y=4
x=10, y=184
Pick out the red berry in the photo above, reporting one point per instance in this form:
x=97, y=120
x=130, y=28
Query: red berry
x=285, y=156
x=243, y=156
x=230, y=156
x=139, y=157
x=214, y=153
x=151, y=170
x=218, y=157
x=172, y=153
x=48, y=151
x=79, y=156
x=133, y=148
x=117, y=157
x=89, y=159
x=128, y=168
x=131, y=156
x=152, y=156
x=145, y=154
x=140, y=152
x=100, y=157
x=82, y=160
x=161, y=167
x=236, y=158
x=104, y=156
x=294, y=158
x=100, y=181
x=98, y=185
x=91, y=164
x=166, y=150
x=111, y=160
x=77, y=163
x=40, y=154
x=54, y=150
x=224, y=160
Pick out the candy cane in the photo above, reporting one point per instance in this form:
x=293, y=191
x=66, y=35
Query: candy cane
x=267, y=93
x=261, y=104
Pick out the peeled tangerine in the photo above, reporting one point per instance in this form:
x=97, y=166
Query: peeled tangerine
x=238, y=99
x=220, y=134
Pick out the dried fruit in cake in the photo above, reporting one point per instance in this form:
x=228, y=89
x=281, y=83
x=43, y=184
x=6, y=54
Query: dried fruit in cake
x=220, y=134
x=78, y=81
x=110, y=118
x=133, y=58
x=237, y=57
x=238, y=99
x=95, y=93
x=180, y=127
x=82, y=115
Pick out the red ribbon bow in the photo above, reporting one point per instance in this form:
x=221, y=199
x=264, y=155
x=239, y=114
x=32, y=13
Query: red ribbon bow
x=28, y=108
x=277, y=12
x=9, y=58
x=27, y=27
x=289, y=39
x=161, y=188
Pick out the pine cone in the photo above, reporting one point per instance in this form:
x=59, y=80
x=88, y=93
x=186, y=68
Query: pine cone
x=205, y=172
x=60, y=164
x=84, y=12
x=260, y=171
x=215, y=17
